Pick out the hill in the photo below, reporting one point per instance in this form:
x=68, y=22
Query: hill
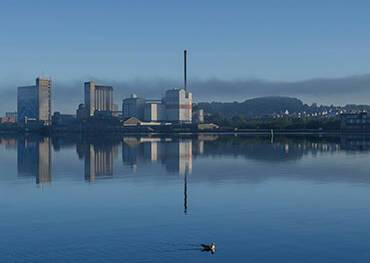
x=254, y=107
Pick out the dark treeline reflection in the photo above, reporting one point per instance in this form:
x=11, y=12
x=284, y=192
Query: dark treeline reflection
x=174, y=153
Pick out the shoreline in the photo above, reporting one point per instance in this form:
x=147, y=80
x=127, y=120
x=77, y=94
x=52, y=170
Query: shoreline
x=179, y=132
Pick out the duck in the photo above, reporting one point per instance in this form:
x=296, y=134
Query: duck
x=209, y=247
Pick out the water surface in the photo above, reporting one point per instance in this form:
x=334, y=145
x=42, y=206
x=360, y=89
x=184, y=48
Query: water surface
x=156, y=198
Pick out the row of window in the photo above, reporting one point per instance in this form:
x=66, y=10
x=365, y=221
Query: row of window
x=359, y=121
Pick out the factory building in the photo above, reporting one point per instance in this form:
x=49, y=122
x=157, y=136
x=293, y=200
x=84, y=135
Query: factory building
x=98, y=98
x=175, y=107
x=178, y=105
x=34, y=102
x=133, y=106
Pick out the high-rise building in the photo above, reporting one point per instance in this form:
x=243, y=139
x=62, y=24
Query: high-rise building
x=98, y=98
x=43, y=87
x=133, y=107
x=26, y=103
x=34, y=102
x=178, y=105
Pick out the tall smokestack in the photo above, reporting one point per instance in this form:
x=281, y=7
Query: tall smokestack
x=185, y=77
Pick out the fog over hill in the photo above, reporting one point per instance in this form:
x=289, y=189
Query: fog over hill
x=339, y=91
x=255, y=107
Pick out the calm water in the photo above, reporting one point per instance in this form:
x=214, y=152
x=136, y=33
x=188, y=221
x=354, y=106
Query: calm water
x=155, y=199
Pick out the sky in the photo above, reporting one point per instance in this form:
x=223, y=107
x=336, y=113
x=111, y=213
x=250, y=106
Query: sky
x=230, y=42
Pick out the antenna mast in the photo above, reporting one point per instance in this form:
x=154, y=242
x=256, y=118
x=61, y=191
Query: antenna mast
x=185, y=77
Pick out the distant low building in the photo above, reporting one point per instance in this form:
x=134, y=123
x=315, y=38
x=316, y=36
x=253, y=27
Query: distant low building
x=355, y=121
x=81, y=112
x=207, y=126
x=104, y=114
x=132, y=121
x=198, y=116
x=133, y=106
x=10, y=117
x=64, y=120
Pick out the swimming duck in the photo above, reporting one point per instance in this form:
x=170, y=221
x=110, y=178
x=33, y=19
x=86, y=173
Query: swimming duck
x=209, y=247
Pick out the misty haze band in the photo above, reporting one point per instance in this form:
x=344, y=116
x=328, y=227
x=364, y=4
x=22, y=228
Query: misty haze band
x=34, y=104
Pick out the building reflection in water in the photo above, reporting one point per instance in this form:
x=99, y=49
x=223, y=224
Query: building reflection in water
x=34, y=158
x=99, y=161
x=178, y=156
x=174, y=153
x=9, y=143
x=132, y=152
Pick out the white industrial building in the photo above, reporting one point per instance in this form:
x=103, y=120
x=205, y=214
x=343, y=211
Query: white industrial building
x=175, y=107
x=178, y=105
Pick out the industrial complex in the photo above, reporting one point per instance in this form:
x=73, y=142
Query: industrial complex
x=99, y=112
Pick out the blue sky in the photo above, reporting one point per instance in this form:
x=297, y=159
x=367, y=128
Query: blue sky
x=275, y=40
x=138, y=43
